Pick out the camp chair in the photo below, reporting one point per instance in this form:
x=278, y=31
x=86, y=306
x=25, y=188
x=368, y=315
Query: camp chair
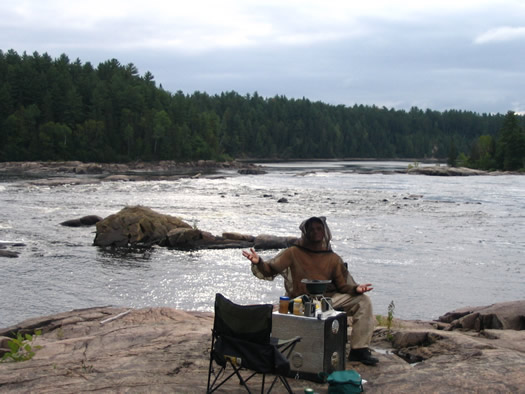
x=241, y=340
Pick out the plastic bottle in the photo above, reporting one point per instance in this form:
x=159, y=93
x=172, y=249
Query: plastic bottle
x=298, y=306
x=283, y=304
x=317, y=308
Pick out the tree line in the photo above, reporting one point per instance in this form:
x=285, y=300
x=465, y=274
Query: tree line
x=58, y=109
x=504, y=151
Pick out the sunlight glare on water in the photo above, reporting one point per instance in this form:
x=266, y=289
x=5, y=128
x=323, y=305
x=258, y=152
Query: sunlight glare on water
x=430, y=244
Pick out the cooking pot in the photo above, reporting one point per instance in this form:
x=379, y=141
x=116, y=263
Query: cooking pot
x=316, y=286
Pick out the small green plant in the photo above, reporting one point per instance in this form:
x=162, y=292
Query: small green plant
x=21, y=348
x=387, y=321
x=390, y=316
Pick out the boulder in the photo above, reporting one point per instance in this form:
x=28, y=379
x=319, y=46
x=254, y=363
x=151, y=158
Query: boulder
x=84, y=221
x=140, y=226
x=501, y=316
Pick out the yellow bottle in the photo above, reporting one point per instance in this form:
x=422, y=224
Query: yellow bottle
x=298, y=306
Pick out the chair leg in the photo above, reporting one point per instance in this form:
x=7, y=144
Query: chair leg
x=241, y=380
x=283, y=381
x=286, y=384
x=211, y=362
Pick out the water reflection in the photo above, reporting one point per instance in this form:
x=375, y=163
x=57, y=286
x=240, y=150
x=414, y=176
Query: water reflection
x=125, y=257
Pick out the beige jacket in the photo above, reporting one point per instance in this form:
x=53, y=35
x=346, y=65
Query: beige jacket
x=297, y=263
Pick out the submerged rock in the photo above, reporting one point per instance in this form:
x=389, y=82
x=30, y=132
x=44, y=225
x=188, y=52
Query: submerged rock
x=8, y=253
x=89, y=220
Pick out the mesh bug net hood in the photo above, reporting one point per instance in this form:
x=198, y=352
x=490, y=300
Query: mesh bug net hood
x=307, y=223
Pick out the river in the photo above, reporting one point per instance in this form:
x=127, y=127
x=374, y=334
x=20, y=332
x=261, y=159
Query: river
x=430, y=244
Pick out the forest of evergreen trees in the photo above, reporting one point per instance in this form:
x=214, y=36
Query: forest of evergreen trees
x=57, y=109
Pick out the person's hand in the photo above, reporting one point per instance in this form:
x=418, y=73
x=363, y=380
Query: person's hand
x=252, y=256
x=364, y=288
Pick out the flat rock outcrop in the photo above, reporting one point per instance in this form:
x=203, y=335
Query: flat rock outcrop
x=501, y=316
x=445, y=171
x=159, y=350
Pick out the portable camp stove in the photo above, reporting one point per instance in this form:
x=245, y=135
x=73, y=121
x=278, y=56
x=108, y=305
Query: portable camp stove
x=323, y=336
x=316, y=289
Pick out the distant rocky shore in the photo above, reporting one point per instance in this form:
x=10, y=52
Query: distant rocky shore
x=76, y=172
x=455, y=171
x=159, y=350
x=79, y=172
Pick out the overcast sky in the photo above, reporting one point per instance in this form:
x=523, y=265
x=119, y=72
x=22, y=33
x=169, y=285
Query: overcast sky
x=437, y=54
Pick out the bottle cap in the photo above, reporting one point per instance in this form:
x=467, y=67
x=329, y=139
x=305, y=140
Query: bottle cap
x=284, y=298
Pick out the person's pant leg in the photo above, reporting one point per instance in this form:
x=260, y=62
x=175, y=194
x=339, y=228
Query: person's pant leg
x=363, y=320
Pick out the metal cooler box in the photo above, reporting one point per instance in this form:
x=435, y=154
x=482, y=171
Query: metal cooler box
x=322, y=347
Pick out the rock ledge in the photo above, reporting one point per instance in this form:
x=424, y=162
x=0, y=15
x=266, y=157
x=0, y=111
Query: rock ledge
x=159, y=350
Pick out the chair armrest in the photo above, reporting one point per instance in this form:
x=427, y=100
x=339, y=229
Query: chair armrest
x=283, y=342
x=285, y=345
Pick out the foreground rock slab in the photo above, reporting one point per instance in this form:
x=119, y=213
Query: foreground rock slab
x=152, y=350
x=164, y=350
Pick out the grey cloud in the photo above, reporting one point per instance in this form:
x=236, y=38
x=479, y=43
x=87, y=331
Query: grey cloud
x=431, y=62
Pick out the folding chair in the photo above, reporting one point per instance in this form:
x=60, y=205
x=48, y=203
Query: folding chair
x=241, y=340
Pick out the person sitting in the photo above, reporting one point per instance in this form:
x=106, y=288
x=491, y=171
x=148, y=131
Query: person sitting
x=313, y=258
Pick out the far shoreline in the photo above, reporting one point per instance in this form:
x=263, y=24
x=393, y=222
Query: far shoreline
x=143, y=170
